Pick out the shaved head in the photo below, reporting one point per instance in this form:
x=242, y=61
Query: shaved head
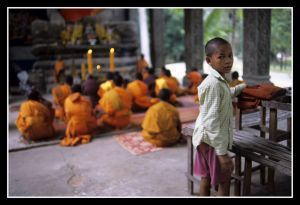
x=212, y=44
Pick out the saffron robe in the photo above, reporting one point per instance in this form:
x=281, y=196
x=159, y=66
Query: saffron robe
x=141, y=65
x=116, y=104
x=60, y=93
x=195, y=79
x=161, y=125
x=139, y=92
x=35, y=121
x=81, y=121
x=58, y=67
x=165, y=82
x=105, y=87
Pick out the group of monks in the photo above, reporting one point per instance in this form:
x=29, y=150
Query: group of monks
x=109, y=106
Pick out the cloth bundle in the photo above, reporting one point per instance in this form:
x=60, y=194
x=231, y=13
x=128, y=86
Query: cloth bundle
x=251, y=97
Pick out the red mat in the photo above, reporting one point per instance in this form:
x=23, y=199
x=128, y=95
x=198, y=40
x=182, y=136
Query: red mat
x=135, y=143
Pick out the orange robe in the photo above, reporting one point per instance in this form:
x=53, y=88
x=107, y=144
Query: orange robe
x=141, y=65
x=58, y=66
x=116, y=104
x=105, y=87
x=60, y=93
x=35, y=121
x=165, y=82
x=139, y=91
x=80, y=118
x=195, y=78
x=160, y=125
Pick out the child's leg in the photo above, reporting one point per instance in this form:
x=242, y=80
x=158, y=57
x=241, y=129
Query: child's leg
x=223, y=189
x=226, y=168
x=204, y=186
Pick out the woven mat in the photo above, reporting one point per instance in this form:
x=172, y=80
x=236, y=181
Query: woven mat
x=135, y=143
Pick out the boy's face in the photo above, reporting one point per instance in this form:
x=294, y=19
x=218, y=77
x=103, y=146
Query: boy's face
x=222, y=59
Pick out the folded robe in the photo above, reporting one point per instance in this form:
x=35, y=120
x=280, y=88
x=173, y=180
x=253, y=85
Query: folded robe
x=251, y=97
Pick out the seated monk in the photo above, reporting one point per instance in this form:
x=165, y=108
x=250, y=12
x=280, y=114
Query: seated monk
x=35, y=118
x=107, y=85
x=174, y=84
x=141, y=64
x=90, y=88
x=81, y=121
x=139, y=92
x=161, y=125
x=60, y=93
x=235, y=79
x=195, y=79
x=59, y=67
x=164, y=82
x=149, y=78
x=115, y=106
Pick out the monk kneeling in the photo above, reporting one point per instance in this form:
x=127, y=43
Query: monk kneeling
x=162, y=126
x=139, y=92
x=35, y=118
x=115, y=106
x=80, y=118
x=60, y=93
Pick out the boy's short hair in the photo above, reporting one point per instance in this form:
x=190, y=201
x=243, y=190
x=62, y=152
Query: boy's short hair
x=235, y=75
x=164, y=94
x=210, y=46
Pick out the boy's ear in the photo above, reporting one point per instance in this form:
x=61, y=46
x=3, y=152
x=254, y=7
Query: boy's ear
x=207, y=59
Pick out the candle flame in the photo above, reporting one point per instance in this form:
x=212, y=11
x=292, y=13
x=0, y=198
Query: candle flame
x=98, y=67
x=90, y=51
x=112, y=50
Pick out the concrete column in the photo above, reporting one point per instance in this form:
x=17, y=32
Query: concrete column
x=257, y=40
x=193, y=24
x=157, y=28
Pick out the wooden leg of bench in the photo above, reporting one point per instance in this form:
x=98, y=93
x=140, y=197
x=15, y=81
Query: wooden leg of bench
x=271, y=184
x=247, y=177
x=237, y=168
x=262, y=175
x=238, y=119
x=289, y=130
x=190, y=164
x=263, y=135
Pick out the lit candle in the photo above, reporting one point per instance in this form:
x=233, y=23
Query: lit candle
x=111, y=60
x=83, y=72
x=98, y=67
x=90, y=61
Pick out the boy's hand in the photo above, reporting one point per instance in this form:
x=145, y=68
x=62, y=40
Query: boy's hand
x=225, y=163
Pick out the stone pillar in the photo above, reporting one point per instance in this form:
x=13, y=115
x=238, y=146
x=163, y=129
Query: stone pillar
x=157, y=27
x=144, y=35
x=193, y=24
x=257, y=40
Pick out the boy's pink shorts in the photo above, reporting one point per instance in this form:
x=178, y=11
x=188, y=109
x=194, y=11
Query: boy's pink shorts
x=207, y=165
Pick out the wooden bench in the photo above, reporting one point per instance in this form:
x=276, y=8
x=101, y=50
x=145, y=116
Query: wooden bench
x=271, y=112
x=252, y=148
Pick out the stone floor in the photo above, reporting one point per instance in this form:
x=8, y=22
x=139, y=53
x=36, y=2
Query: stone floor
x=103, y=168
